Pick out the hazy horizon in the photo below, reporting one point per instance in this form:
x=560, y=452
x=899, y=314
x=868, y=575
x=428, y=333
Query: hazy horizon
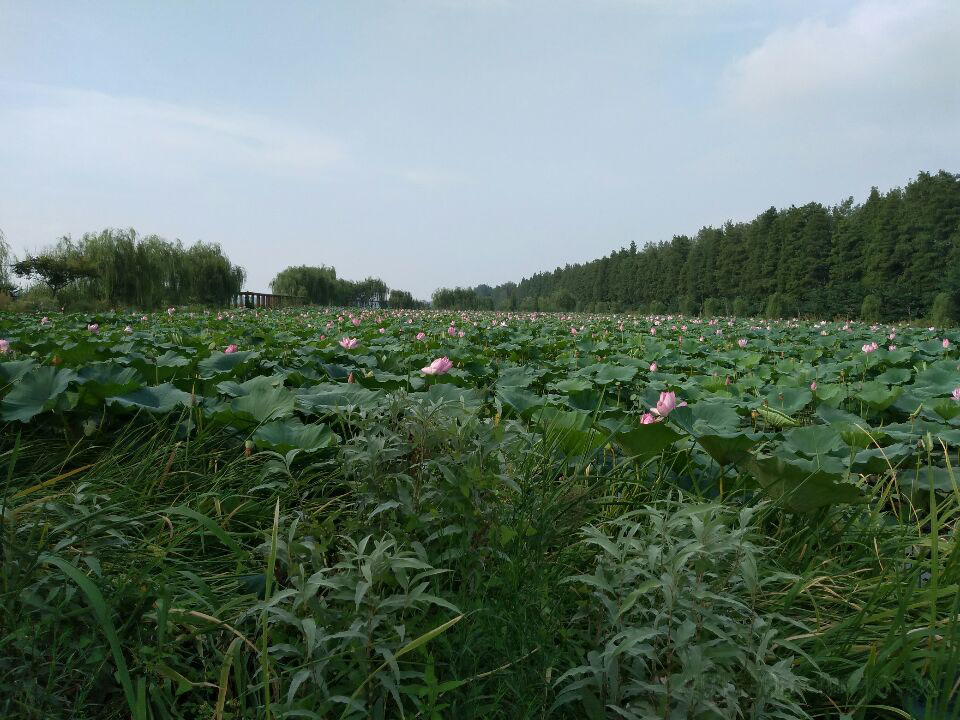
x=456, y=142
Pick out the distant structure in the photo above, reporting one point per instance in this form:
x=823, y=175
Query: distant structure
x=264, y=300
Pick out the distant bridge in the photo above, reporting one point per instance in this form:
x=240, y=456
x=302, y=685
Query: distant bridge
x=264, y=300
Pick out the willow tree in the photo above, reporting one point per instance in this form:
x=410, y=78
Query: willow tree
x=149, y=271
x=6, y=286
x=311, y=283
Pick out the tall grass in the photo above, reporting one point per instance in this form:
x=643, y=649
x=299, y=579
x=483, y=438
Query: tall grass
x=435, y=565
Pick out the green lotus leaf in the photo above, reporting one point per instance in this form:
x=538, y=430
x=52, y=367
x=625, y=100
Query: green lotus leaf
x=157, y=399
x=264, y=403
x=878, y=460
x=930, y=478
x=728, y=448
x=894, y=376
x=572, y=385
x=800, y=489
x=291, y=434
x=105, y=379
x=222, y=363
x=450, y=394
x=13, y=371
x=333, y=397
x=523, y=402
x=522, y=376
x=614, y=373
x=35, y=392
x=814, y=440
x=788, y=400
x=646, y=441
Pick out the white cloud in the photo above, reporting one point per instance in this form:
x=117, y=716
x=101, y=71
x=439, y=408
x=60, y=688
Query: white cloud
x=73, y=130
x=884, y=58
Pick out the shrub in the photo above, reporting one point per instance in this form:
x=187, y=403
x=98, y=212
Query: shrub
x=872, y=309
x=674, y=621
x=943, y=311
x=342, y=627
x=740, y=307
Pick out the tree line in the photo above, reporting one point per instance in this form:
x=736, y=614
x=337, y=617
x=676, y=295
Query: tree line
x=320, y=285
x=118, y=267
x=895, y=256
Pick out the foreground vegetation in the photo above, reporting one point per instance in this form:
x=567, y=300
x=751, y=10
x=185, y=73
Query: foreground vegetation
x=308, y=513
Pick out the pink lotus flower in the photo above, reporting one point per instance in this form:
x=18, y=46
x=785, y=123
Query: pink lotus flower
x=869, y=347
x=219, y=317
x=891, y=348
x=956, y=393
x=813, y=386
x=230, y=349
x=461, y=334
x=128, y=329
x=667, y=403
x=44, y=320
x=653, y=367
x=653, y=331
x=451, y=331
x=421, y=336
x=355, y=321
x=381, y=330
x=143, y=319
x=573, y=331
x=4, y=347
x=946, y=343
x=648, y=419
x=171, y=311
x=348, y=343
x=94, y=328
x=440, y=366
x=742, y=342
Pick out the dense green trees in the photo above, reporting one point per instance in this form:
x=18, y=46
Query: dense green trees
x=320, y=285
x=117, y=267
x=902, y=247
x=403, y=299
x=314, y=284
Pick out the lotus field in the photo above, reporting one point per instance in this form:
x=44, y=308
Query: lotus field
x=326, y=513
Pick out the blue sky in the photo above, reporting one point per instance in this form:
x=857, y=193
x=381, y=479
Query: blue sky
x=452, y=142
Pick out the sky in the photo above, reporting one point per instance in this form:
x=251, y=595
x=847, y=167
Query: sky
x=437, y=143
